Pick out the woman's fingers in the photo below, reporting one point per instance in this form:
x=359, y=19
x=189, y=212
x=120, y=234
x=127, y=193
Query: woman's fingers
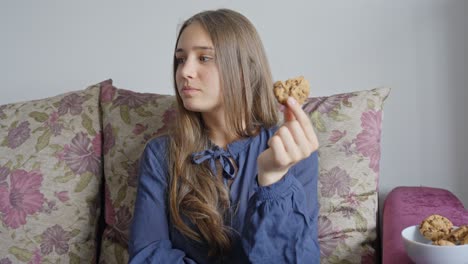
x=295, y=140
x=279, y=152
x=288, y=114
x=290, y=145
x=300, y=138
x=304, y=121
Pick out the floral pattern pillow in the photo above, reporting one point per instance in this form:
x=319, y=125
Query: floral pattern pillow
x=348, y=127
x=50, y=171
x=130, y=119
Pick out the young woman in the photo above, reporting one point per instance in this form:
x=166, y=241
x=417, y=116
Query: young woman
x=227, y=184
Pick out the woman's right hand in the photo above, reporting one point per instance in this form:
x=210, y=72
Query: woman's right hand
x=294, y=141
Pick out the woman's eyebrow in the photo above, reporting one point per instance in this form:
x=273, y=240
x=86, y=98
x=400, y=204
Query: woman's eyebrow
x=196, y=48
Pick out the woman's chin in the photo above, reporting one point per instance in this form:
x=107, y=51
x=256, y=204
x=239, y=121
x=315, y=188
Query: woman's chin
x=200, y=107
x=193, y=107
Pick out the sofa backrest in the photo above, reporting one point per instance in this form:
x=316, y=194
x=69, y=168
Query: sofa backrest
x=349, y=130
x=65, y=157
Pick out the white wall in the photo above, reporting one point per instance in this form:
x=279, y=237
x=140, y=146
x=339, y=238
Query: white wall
x=417, y=47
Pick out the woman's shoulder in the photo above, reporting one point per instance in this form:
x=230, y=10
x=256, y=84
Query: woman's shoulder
x=158, y=145
x=155, y=154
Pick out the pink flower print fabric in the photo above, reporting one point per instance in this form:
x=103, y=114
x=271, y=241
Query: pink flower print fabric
x=21, y=198
x=368, y=140
x=18, y=135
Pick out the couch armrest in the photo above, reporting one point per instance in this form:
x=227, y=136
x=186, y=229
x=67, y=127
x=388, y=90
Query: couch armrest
x=406, y=206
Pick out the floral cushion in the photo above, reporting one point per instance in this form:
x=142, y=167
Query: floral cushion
x=50, y=171
x=348, y=127
x=130, y=119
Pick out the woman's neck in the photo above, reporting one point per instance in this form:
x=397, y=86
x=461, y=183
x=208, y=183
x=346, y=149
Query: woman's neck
x=217, y=130
x=221, y=139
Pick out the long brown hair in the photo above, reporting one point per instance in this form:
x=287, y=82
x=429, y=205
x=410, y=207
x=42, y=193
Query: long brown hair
x=195, y=194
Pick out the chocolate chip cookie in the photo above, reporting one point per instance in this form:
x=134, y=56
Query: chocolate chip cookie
x=435, y=227
x=458, y=235
x=443, y=242
x=465, y=241
x=296, y=87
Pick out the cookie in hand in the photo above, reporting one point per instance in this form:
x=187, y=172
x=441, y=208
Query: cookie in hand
x=296, y=87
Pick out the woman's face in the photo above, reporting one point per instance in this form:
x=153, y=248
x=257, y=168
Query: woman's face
x=197, y=75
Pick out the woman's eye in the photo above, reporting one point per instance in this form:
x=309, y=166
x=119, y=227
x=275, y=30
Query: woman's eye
x=205, y=58
x=180, y=60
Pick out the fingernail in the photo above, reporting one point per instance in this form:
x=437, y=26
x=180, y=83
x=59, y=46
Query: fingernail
x=292, y=101
x=281, y=108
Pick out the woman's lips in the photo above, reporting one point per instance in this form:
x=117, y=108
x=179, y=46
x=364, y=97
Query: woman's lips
x=188, y=90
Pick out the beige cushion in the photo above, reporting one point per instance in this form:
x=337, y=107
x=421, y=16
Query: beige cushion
x=130, y=119
x=348, y=127
x=50, y=170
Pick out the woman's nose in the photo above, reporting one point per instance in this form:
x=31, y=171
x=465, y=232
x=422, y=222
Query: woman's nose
x=188, y=70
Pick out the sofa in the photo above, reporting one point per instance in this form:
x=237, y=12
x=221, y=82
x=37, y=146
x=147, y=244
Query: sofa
x=69, y=168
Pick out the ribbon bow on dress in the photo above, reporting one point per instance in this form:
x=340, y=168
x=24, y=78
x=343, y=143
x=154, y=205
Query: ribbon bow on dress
x=212, y=155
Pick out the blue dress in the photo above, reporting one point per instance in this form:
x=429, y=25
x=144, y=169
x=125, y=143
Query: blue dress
x=274, y=224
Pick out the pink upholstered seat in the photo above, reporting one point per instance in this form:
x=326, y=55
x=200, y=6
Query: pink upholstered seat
x=406, y=206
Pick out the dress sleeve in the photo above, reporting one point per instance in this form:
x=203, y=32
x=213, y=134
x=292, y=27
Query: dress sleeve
x=281, y=219
x=149, y=238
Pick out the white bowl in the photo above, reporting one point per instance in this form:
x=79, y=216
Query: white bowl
x=421, y=250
